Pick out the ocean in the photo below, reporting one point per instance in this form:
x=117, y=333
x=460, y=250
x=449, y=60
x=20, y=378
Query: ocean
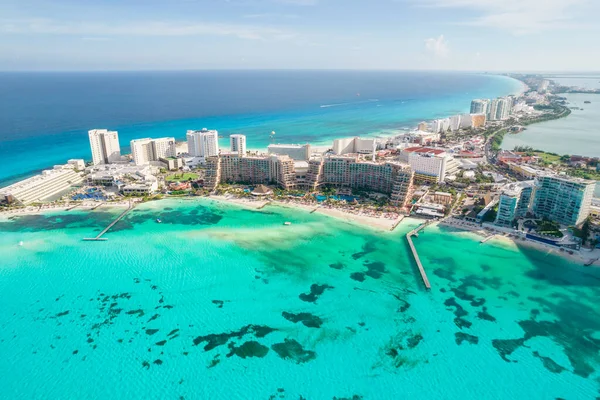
x=45, y=116
x=221, y=302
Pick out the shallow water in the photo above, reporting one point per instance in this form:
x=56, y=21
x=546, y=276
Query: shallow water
x=221, y=302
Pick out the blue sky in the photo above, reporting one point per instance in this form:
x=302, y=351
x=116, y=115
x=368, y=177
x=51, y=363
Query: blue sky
x=488, y=35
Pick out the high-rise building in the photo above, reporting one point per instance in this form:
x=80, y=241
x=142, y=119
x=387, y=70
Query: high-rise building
x=563, y=199
x=105, y=146
x=479, y=106
x=514, y=202
x=203, y=143
x=429, y=164
x=455, y=122
x=423, y=126
x=164, y=148
x=492, y=110
x=299, y=152
x=238, y=144
x=503, y=108
x=354, y=145
x=147, y=150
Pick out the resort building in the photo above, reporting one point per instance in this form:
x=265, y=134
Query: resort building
x=423, y=126
x=455, y=122
x=354, y=145
x=563, y=199
x=440, y=125
x=233, y=168
x=294, y=151
x=238, y=144
x=147, y=150
x=163, y=148
x=480, y=106
x=77, y=164
x=478, y=120
x=347, y=171
x=172, y=163
x=430, y=164
x=43, y=186
x=105, y=146
x=203, y=143
x=514, y=202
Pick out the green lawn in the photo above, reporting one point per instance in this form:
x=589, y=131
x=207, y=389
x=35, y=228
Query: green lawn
x=181, y=177
x=548, y=158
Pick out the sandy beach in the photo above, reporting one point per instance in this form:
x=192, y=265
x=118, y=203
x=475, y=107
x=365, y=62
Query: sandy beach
x=31, y=210
x=578, y=256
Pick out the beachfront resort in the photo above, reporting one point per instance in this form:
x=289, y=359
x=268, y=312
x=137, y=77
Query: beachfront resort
x=447, y=169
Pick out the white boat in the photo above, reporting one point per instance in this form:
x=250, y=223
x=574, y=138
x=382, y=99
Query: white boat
x=21, y=243
x=287, y=223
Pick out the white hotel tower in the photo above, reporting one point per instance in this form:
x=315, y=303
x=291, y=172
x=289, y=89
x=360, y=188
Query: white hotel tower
x=203, y=143
x=238, y=144
x=105, y=146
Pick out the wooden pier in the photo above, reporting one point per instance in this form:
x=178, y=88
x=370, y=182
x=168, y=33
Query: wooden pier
x=99, y=237
x=409, y=235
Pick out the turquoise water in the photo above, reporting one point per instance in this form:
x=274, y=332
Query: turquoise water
x=219, y=302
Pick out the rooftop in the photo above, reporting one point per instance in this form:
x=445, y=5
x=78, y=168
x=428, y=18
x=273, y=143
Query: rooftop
x=424, y=150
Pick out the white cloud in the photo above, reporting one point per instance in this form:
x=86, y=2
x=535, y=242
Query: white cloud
x=437, y=46
x=517, y=16
x=140, y=28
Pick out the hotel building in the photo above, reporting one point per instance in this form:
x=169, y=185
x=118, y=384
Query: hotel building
x=294, y=151
x=514, y=202
x=345, y=171
x=480, y=106
x=238, y=144
x=43, y=186
x=105, y=146
x=203, y=143
x=429, y=164
x=354, y=145
x=147, y=150
x=563, y=199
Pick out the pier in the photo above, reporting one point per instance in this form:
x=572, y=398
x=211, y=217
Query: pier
x=409, y=235
x=99, y=237
x=487, y=238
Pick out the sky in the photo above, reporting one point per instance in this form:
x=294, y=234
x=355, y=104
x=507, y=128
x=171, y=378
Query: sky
x=469, y=35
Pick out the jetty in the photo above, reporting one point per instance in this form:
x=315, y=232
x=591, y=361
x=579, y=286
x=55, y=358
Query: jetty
x=409, y=235
x=490, y=237
x=99, y=237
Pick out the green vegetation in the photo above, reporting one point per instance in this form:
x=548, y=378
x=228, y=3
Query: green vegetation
x=189, y=176
x=497, y=139
x=548, y=228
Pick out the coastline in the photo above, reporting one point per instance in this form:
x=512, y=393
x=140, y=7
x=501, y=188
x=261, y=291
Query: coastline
x=578, y=256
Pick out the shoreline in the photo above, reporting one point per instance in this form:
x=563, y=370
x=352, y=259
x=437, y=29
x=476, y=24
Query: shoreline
x=578, y=256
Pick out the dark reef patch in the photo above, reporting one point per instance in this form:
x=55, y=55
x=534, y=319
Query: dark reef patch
x=445, y=274
x=218, y=339
x=290, y=349
x=549, y=364
x=484, y=315
x=367, y=248
x=465, y=337
x=337, y=265
x=358, y=276
x=248, y=349
x=505, y=347
x=139, y=313
x=315, y=292
x=307, y=319
x=151, y=331
x=375, y=269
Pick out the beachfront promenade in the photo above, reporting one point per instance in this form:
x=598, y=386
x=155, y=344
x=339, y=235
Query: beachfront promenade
x=409, y=235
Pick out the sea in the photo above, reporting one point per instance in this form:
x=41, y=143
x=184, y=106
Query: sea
x=223, y=302
x=45, y=116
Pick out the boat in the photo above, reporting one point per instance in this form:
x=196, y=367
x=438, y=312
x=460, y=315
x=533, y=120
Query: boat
x=287, y=223
x=158, y=220
x=21, y=243
x=587, y=102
